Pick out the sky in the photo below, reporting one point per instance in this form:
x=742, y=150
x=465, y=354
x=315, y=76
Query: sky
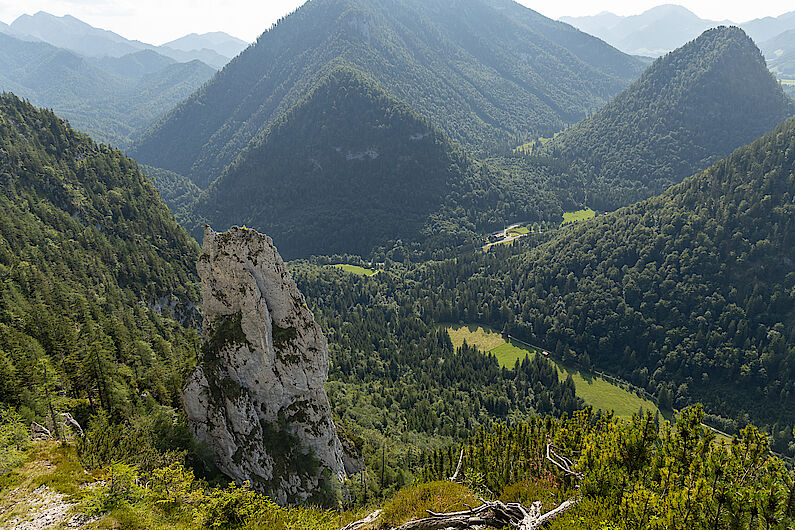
x=159, y=21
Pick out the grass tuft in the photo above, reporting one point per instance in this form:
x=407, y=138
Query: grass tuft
x=414, y=502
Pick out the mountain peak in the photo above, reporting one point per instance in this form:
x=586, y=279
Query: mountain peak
x=689, y=108
x=511, y=56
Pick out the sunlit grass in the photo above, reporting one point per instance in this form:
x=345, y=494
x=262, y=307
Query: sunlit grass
x=579, y=215
x=482, y=338
x=593, y=389
x=355, y=269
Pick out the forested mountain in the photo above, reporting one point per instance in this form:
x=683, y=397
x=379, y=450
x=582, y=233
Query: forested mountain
x=689, y=108
x=177, y=191
x=654, y=32
x=484, y=71
x=351, y=169
x=689, y=294
x=111, y=98
x=94, y=269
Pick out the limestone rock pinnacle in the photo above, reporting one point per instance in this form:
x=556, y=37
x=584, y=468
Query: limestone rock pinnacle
x=257, y=396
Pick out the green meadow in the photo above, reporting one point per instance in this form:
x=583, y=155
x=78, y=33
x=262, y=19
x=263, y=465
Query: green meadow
x=355, y=269
x=593, y=389
x=579, y=215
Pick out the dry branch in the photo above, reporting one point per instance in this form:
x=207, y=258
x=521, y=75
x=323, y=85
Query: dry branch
x=362, y=522
x=491, y=514
x=494, y=514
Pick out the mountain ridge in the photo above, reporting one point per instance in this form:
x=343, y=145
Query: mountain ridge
x=110, y=98
x=432, y=55
x=71, y=33
x=393, y=178
x=687, y=110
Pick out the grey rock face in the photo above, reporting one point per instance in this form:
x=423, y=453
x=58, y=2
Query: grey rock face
x=257, y=396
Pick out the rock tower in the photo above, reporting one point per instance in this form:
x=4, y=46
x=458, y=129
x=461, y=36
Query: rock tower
x=257, y=395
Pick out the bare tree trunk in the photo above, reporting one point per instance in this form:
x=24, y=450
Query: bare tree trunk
x=458, y=467
x=491, y=514
x=55, y=427
x=494, y=514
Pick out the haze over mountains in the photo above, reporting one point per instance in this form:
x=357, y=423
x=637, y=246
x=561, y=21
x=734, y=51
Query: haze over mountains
x=111, y=98
x=108, y=86
x=214, y=49
x=486, y=72
x=666, y=27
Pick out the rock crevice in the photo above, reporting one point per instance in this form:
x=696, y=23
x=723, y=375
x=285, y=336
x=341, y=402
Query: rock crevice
x=257, y=396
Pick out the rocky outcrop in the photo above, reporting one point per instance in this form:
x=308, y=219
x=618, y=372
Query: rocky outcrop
x=257, y=396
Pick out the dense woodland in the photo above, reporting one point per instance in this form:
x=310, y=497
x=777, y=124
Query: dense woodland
x=317, y=185
x=691, y=107
x=94, y=271
x=688, y=294
x=485, y=74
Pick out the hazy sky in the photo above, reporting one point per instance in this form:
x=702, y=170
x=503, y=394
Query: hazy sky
x=158, y=21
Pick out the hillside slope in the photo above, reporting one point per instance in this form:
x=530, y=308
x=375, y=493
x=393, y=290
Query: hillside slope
x=70, y=33
x=689, y=108
x=689, y=294
x=483, y=71
x=93, y=269
x=318, y=184
x=780, y=54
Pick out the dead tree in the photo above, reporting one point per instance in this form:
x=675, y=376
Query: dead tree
x=491, y=514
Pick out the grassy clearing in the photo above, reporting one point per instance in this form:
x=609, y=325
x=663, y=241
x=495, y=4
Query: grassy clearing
x=508, y=353
x=482, y=338
x=595, y=390
x=355, y=269
x=519, y=230
x=579, y=215
x=413, y=502
x=527, y=148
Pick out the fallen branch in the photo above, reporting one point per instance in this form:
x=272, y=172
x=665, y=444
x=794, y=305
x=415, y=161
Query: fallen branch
x=361, y=522
x=491, y=514
x=561, y=462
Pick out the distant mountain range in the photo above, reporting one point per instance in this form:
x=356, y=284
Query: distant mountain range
x=780, y=54
x=666, y=27
x=107, y=86
x=217, y=41
x=70, y=33
x=110, y=98
x=652, y=33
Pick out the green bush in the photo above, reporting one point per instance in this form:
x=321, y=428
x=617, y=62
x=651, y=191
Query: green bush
x=14, y=440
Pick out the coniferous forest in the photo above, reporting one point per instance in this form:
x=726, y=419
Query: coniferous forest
x=621, y=357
